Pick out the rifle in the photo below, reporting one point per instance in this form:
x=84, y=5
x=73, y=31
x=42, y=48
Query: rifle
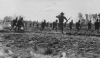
x=68, y=19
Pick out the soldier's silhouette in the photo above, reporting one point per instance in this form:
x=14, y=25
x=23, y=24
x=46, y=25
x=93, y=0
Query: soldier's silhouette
x=55, y=25
x=43, y=24
x=89, y=25
x=97, y=25
x=70, y=25
x=37, y=25
x=30, y=24
x=78, y=25
x=20, y=23
x=33, y=24
x=61, y=18
x=14, y=23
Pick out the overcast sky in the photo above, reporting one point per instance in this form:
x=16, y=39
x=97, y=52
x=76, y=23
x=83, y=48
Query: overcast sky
x=47, y=9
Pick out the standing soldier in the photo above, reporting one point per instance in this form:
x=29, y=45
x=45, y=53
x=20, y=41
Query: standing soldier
x=97, y=25
x=78, y=25
x=25, y=24
x=55, y=25
x=70, y=25
x=33, y=24
x=61, y=18
x=89, y=25
x=20, y=23
x=37, y=24
x=30, y=24
x=14, y=23
x=43, y=25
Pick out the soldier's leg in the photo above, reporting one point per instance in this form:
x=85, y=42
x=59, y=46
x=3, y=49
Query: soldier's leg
x=62, y=27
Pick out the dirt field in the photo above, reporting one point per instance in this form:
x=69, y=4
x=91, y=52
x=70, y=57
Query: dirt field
x=48, y=45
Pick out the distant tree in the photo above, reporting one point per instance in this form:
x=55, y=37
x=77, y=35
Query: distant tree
x=87, y=18
x=81, y=18
x=90, y=17
x=7, y=19
x=94, y=17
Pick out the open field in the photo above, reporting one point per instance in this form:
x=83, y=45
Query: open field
x=34, y=43
x=44, y=45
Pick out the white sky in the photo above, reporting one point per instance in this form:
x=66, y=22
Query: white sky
x=47, y=9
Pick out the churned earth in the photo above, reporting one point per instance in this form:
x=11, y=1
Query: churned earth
x=48, y=45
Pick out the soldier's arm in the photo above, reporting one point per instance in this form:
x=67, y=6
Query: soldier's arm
x=66, y=19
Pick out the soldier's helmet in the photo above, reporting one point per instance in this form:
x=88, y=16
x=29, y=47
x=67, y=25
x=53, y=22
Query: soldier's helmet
x=62, y=13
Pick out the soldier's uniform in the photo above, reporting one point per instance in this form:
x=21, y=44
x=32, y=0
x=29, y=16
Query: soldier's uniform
x=89, y=25
x=20, y=23
x=78, y=25
x=14, y=23
x=61, y=18
x=70, y=25
x=43, y=25
x=97, y=25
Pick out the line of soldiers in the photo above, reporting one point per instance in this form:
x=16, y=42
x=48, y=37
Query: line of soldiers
x=57, y=24
x=17, y=24
x=61, y=18
x=78, y=24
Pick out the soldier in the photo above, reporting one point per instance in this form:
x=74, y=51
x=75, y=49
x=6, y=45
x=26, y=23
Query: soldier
x=97, y=25
x=89, y=25
x=25, y=25
x=37, y=24
x=70, y=25
x=55, y=25
x=20, y=23
x=61, y=18
x=65, y=24
x=43, y=25
x=78, y=25
x=33, y=24
x=30, y=24
x=14, y=23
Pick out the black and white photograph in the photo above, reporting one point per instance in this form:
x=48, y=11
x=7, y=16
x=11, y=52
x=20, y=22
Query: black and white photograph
x=49, y=29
